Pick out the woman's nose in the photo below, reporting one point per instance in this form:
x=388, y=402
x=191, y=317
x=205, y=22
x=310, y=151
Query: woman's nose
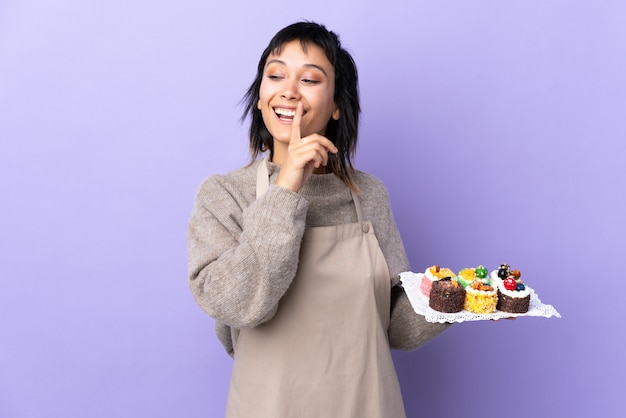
x=290, y=90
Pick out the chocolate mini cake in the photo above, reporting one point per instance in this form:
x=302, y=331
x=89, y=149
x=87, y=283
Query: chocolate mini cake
x=447, y=296
x=513, y=295
x=518, y=304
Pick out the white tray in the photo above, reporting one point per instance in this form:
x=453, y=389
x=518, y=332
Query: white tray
x=419, y=301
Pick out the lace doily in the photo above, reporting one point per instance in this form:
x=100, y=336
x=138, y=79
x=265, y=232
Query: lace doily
x=411, y=283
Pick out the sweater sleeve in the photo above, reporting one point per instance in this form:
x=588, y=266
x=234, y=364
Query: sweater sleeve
x=243, y=257
x=407, y=329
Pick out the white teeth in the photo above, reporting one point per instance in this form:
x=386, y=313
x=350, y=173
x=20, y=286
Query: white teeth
x=285, y=112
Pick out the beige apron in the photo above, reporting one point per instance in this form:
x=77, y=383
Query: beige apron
x=325, y=354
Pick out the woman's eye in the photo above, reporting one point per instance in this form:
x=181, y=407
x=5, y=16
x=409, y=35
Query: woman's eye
x=309, y=81
x=274, y=77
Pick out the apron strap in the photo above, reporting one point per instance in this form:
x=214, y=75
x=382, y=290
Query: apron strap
x=262, y=178
x=263, y=183
x=357, y=204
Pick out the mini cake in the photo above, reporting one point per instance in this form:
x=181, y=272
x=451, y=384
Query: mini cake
x=513, y=295
x=446, y=296
x=467, y=275
x=480, y=298
x=432, y=274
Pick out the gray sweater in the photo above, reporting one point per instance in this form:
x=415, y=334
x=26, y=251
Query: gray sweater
x=243, y=251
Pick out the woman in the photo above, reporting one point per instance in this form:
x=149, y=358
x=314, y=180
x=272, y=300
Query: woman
x=297, y=256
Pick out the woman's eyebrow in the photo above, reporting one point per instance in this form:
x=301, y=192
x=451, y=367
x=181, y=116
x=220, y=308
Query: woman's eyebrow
x=277, y=61
x=316, y=66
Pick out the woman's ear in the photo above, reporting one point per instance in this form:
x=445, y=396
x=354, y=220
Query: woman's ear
x=335, y=114
x=258, y=104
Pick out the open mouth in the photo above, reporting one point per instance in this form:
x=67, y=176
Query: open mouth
x=285, y=114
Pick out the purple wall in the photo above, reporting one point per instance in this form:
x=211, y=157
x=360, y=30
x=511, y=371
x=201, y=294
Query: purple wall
x=498, y=127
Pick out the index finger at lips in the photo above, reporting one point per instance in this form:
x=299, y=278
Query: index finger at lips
x=295, y=124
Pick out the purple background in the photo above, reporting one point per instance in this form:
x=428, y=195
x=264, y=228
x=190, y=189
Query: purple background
x=498, y=126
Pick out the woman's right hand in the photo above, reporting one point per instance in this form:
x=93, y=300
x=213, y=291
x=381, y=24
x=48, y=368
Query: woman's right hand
x=303, y=155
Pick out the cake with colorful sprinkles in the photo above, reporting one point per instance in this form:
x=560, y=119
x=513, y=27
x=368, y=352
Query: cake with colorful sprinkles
x=480, y=298
x=432, y=274
x=513, y=294
x=447, y=296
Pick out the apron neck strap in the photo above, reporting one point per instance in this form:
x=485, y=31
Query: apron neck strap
x=263, y=183
x=357, y=204
x=262, y=178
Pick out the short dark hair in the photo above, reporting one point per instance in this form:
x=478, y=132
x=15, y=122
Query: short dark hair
x=342, y=132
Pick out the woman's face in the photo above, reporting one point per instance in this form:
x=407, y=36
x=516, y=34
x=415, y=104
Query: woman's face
x=297, y=76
